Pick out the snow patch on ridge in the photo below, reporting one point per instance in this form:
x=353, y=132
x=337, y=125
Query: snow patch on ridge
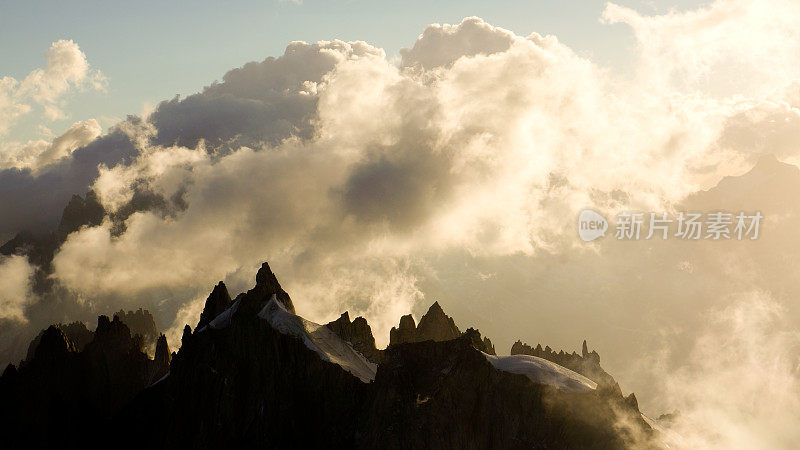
x=223, y=320
x=542, y=371
x=320, y=339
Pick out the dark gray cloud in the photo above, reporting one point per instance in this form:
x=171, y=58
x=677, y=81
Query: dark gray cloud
x=258, y=103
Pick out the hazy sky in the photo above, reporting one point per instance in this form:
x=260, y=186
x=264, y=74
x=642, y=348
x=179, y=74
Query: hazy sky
x=152, y=50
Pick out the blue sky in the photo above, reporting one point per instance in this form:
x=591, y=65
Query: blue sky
x=153, y=50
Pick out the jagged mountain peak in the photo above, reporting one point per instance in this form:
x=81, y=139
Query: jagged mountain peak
x=763, y=188
x=162, y=358
x=358, y=333
x=436, y=325
x=54, y=344
x=81, y=211
x=76, y=332
x=586, y=364
x=218, y=301
x=140, y=322
x=295, y=383
x=435, y=308
x=267, y=284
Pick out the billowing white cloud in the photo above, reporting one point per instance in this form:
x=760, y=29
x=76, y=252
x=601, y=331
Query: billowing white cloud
x=38, y=154
x=740, y=389
x=492, y=149
x=440, y=45
x=729, y=47
x=66, y=68
x=15, y=274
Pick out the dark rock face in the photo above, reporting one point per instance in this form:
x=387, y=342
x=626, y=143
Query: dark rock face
x=140, y=323
x=244, y=384
x=80, y=212
x=435, y=325
x=485, y=345
x=586, y=364
x=446, y=395
x=358, y=333
x=76, y=332
x=267, y=285
x=54, y=346
x=218, y=301
x=64, y=396
x=405, y=332
x=162, y=358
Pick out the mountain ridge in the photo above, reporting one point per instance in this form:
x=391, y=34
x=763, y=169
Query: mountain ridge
x=249, y=377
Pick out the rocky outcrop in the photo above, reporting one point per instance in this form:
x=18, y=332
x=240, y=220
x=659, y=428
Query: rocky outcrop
x=81, y=212
x=435, y=325
x=162, y=358
x=267, y=285
x=140, y=322
x=218, y=301
x=405, y=331
x=586, y=364
x=75, y=332
x=39, y=246
x=483, y=344
x=63, y=395
x=446, y=395
x=358, y=333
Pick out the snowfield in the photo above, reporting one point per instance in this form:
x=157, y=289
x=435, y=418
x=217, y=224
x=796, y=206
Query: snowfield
x=542, y=371
x=320, y=339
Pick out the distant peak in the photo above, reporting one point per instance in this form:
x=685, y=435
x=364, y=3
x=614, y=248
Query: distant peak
x=767, y=158
x=768, y=163
x=436, y=309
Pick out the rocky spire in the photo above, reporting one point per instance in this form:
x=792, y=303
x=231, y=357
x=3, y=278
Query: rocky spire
x=54, y=345
x=483, y=344
x=112, y=335
x=586, y=364
x=140, y=322
x=76, y=333
x=218, y=301
x=162, y=358
x=435, y=325
x=358, y=333
x=267, y=285
x=487, y=344
x=80, y=212
x=187, y=334
x=405, y=332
